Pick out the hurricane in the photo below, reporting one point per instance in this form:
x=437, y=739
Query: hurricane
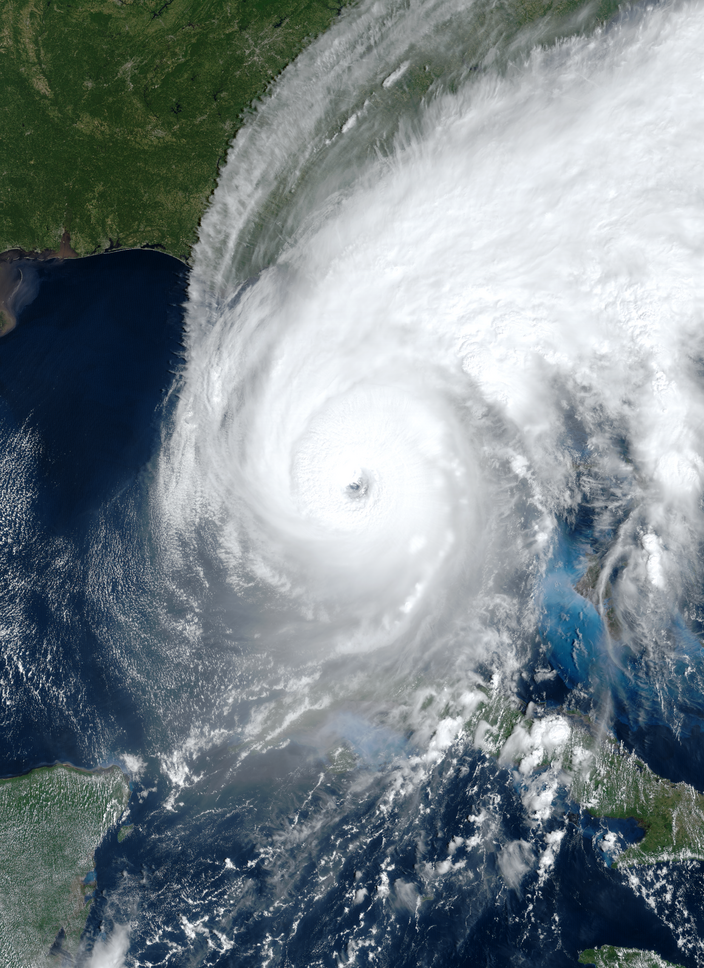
x=440, y=423
x=426, y=509
x=435, y=315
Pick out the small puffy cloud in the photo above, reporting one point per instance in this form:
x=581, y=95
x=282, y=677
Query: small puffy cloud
x=515, y=860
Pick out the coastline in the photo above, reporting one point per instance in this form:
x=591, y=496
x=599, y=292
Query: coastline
x=64, y=764
x=64, y=251
x=54, y=818
x=12, y=277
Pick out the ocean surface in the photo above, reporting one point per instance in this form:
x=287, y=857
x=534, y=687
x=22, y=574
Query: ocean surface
x=423, y=424
x=83, y=386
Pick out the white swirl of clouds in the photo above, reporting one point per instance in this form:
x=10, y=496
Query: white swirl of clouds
x=399, y=303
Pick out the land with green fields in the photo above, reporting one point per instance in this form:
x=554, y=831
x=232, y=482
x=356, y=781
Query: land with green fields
x=117, y=114
x=610, y=957
x=51, y=822
x=604, y=777
x=618, y=784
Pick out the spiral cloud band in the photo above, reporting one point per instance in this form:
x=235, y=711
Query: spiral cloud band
x=424, y=327
x=436, y=445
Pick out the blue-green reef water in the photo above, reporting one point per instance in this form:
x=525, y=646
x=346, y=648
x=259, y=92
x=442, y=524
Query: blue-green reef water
x=356, y=543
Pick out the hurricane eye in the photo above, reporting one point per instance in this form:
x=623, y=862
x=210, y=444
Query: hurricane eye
x=357, y=488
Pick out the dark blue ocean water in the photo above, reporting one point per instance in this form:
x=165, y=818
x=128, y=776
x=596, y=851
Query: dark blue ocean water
x=83, y=384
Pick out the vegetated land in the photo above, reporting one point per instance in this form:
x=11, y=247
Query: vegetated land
x=51, y=821
x=619, y=785
x=610, y=957
x=124, y=832
x=116, y=113
x=604, y=778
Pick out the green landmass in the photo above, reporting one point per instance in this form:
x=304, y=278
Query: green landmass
x=588, y=587
x=116, y=114
x=605, y=778
x=51, y=822
x=494, y=720
x=620, y=785
x=124, y=832
x=610, y=957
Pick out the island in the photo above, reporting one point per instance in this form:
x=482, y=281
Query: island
x=604, y=778
x=610, y=957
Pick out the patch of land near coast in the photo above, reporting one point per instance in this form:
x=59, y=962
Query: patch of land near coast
x=116, y=114
x=51, y=822
x=610, y=957
x=12, y=278
x=604, y=777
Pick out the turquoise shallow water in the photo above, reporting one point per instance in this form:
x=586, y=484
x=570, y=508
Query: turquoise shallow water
x=83, y=383
x=480, y=302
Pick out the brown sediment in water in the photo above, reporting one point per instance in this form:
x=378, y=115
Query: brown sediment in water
x=11, y=276
x=10, y=282
x=64, y=251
